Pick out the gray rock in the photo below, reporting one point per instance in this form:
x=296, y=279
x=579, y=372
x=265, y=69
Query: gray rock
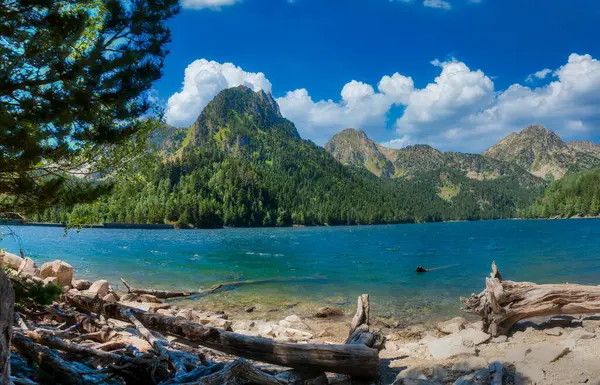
x=439, y=373
x=448, y=346
x=581, y=334
x=480, y=377
x=81, y=284
x=470, y=364
x=412, y=373
x=454, y=325
x=545, y=353
x=476, y=337
x=500, y=339
x=554, y=331
x=528, y=374
x=329, y=311
x=518, y=353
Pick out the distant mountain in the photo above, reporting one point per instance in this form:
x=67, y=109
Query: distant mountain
x=353, y=148
x=542, y=153
x=586, y=146
x=235, y=115
x=243, y=164
x=168, y=139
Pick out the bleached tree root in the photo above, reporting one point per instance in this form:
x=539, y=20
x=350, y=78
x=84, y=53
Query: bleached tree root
x=504, y=303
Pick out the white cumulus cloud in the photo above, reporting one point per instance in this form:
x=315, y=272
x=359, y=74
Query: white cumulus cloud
x=203, y=80
x=360, y=107
x=437, y=4
x=211, y=4
x=541, y=74
x=459, y=110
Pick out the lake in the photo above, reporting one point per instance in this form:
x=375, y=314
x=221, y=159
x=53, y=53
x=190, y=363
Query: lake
x=329, y=265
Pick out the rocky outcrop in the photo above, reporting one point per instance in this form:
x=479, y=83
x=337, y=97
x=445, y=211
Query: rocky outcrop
x=10, y=260
x=98, y=288
x=542, y=152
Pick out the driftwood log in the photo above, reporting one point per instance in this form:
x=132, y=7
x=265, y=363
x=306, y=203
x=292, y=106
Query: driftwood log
x=504, y=303
x=356, y=358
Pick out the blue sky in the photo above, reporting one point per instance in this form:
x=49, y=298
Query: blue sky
x=456, y=74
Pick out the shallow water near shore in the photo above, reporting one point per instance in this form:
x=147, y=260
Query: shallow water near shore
x=310, y=267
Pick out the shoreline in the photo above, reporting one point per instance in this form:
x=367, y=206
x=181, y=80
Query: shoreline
x=548, y=350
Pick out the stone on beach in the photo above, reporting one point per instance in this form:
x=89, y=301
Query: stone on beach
x=59, y=269
x=542, y=353
x=454, y=325
x=10, y=260
x=81, y=284
x=449, y=346
x=98, y=288
x=110, y=297
x=470, y=364
x=149, y=298
x=29, y=268
x=329, y=311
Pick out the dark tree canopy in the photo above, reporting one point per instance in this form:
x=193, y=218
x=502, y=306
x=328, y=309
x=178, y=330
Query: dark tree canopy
x=74, y=82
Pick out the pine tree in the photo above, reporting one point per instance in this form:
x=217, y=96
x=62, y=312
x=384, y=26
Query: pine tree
x=74, y=81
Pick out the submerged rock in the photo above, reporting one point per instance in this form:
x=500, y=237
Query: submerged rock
x=329, y=311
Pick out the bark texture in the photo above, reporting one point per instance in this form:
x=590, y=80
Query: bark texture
x=7, y=300
x=504, y=303
x=354, y=359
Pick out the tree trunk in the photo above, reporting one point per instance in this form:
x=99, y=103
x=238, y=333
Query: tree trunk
x=354, y=359
x=504, y=303
x=7, y=300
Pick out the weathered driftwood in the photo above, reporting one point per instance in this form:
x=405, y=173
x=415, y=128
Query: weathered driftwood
x=164, y=294
x=237, y=370
x=353, y=359
x=54, y=342
x=504, y=303
x=174, y=360
x=59, y=370
x=7, y=300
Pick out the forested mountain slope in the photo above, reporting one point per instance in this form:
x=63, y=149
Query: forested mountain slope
x=242, y=164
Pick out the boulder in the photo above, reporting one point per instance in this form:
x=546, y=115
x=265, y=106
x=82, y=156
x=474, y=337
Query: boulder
x=154, y=307
x=50, y=281
x=98, y=288
x=29, y=268
x=329, y=311
x=185, y=314
x=110, y=298
x=556, y=331
x=81, y=284
x=454, y=325
x=545, y=353
x=470, y=364
x=130, y=297
x=448, y=346
x=480, y=377
x=476, y=337
x=149, y=298
x=10, y=260
x=59, y=269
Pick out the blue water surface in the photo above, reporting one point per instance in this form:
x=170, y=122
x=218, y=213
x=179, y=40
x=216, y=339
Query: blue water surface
x=330, y=265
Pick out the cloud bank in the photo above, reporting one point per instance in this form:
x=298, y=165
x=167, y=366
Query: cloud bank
x=460, y=109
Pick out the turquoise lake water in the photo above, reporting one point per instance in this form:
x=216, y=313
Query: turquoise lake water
x=330, y=265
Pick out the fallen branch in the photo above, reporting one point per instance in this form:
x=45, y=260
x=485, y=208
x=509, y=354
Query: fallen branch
x=157, y=345
x=59, y=370
x=54, y=342
x=353, y=359
x=504, y=303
